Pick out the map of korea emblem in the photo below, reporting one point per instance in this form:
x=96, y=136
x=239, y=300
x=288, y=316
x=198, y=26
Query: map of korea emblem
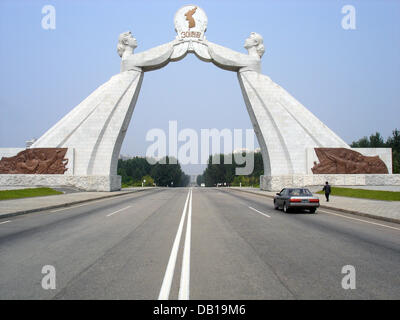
x=189, y=17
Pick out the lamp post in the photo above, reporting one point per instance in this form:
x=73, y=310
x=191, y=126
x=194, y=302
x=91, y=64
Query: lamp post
x=143, y=182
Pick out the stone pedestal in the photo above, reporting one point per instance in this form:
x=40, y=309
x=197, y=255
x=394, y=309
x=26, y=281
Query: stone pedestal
x=277, y=183
x=87, y=183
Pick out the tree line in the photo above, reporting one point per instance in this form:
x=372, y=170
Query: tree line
x=376, y=141
x=135, y=170
x=163, y=173
x=226, y=173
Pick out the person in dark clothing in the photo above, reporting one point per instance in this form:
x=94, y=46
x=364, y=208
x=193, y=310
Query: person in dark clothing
x=327, y=189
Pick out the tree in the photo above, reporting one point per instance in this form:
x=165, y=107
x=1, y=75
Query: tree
x=200, y=179
x=376, y=141
x=169, y=174
x=362, y=143
x=147, y=181
x=226, y=172
x=394, y=143
x=134, y=171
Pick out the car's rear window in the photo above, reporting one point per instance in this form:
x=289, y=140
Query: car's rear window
x=300, y=192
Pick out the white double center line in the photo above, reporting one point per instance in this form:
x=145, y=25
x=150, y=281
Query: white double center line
x=169, y=272
x=185, y=273
x=110, y=214
x=260, y=212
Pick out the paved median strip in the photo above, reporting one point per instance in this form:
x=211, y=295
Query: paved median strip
x=110, y=214
x=169, y=272
x=260, y=212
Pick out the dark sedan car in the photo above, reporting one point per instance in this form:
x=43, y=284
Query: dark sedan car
x=296, y=198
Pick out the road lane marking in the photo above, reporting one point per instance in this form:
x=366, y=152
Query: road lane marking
x=110, y=214
x=169, y=272
x=5, y=222
x=93, y=202
x=81, y=205
x=69, y=208
x=184, y=287
x=260, y=212
x=378, y=224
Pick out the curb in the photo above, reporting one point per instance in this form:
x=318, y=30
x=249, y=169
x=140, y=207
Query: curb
x=67, y=204
x=357, y=213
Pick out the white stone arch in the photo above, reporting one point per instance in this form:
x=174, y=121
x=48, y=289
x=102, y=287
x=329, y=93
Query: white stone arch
x=96, y=128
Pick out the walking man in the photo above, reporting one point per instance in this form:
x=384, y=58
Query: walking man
x=327, y=189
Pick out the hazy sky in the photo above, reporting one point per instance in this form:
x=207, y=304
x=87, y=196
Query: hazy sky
x=348, y=78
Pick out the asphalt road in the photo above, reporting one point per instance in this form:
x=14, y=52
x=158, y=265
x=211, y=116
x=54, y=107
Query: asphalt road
x=225, y=245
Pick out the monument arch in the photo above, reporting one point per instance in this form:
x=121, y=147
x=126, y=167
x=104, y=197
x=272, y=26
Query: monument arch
x=287, y=132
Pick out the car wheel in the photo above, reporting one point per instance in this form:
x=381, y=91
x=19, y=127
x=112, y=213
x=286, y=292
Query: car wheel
x=285, y=208
x=276, y=207
x=313, y=210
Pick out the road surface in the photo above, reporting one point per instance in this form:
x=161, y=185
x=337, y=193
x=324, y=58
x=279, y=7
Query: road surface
x=199, y=243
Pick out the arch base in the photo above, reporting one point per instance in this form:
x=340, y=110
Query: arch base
x=86, y=183
x=277, y=183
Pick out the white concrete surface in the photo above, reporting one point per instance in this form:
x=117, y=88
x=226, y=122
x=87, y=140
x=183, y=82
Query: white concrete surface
x=377, y=188
x=85, y=182
x=97, y=126
x=2, y=188
x=284, y=127
x=276, y=183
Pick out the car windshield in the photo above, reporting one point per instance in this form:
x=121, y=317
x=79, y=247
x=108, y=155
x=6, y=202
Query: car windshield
x=300, y=192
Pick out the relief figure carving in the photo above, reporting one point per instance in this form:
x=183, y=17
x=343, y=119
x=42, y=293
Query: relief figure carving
x=346, y=161
x=36, y=161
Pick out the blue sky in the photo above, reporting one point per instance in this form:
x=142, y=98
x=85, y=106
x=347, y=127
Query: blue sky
x=347, y=78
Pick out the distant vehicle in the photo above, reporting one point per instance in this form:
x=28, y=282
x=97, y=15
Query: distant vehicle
x=203, y=185
x=296, y=198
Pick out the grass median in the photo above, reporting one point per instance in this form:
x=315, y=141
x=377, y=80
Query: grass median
x=27, y=193
x=364, y=194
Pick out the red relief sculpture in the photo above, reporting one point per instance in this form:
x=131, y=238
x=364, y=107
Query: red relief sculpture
x=36, y=161
x=346, y=161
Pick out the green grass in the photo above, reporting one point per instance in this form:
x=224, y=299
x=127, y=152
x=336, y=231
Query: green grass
x=364, y=194
x=26, y=193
